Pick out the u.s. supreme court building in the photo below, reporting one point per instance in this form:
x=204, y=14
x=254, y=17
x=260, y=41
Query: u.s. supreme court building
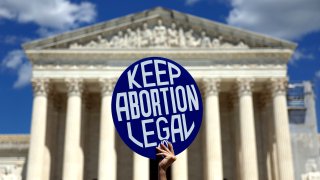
x=242, y=75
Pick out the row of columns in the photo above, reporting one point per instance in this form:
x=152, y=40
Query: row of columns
x=73, y=155
x=73, y=162
x=213, y=162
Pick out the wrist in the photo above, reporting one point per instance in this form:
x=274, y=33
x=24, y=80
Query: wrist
x=161, y=170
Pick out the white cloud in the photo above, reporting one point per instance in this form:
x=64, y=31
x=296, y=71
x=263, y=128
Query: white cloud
x=52, y=14
x=24, y=75
x=16, y=60
x=318, y=74
x=5, y=13
x=302, y=55
x=13, y=59
x=191, y=2
x=290, y=19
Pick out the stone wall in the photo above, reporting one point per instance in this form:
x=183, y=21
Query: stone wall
x=13, y=156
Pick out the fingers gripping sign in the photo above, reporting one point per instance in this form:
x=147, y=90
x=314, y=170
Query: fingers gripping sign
x=156, y=99
x=167, y=154
x=165, y=143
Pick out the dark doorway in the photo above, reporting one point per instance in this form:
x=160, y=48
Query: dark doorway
x=153, y=167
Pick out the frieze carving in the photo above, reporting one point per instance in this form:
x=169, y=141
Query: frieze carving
x=211, y=86
x=40, y=86
x=107, y=86
x=11, y=142
x=279, y=86
x=159, y=36
x=106, y=67
x=75, y=86
x=244, y=86
x=233, y=56
x=312, y=172
x=11, y=172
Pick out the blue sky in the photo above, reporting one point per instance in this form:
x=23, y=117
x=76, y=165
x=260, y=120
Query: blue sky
x=22, y=21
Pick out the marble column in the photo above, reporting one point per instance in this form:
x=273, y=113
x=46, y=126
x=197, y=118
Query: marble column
x=72, y=149
x=281, y=122
x=140, y=167
x=212, y=146
x=38, y=129
x=107, y=152
x=271, y=163
x=249, y=163
x=180, y=166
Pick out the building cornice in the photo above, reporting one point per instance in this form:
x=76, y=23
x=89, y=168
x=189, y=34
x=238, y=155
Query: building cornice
x=92, y=56
x=14, y=142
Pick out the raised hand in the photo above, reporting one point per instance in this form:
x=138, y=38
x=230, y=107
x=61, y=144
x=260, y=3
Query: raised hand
x=168, y=156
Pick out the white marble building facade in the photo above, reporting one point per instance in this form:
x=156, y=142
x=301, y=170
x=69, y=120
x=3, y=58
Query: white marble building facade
x=243, y=76
x=13, y=155
x=304, y=130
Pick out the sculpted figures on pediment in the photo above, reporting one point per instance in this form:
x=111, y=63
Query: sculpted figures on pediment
x=205, y=40
x=75, y=46
x=216, y=42
x=182, y=38
x=92, y=43
x=191, y=40
x=173, y=37
x=159, y=36
x=103, y=42
x=241, y=44
x=131, y=38
x=118, y=40
x=146, y=36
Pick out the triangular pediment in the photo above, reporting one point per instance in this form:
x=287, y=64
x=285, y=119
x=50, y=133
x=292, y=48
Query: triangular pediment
x=159, y=28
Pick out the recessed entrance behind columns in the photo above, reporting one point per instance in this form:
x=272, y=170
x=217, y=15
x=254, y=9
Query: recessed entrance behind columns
x=153, y=167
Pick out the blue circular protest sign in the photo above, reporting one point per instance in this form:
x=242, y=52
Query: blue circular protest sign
x=156, y=100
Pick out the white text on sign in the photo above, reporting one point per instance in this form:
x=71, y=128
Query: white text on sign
x=155, y=97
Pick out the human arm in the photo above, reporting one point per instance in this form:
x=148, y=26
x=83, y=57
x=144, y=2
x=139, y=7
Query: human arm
x=167, y=161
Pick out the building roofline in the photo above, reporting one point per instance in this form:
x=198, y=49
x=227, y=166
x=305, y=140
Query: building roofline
x=157, y=12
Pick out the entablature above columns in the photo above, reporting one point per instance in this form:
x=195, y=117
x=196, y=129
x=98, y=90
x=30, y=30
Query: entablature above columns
x=209, y=85
x=225, y=72
x=107, y=85
x=78, y=57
